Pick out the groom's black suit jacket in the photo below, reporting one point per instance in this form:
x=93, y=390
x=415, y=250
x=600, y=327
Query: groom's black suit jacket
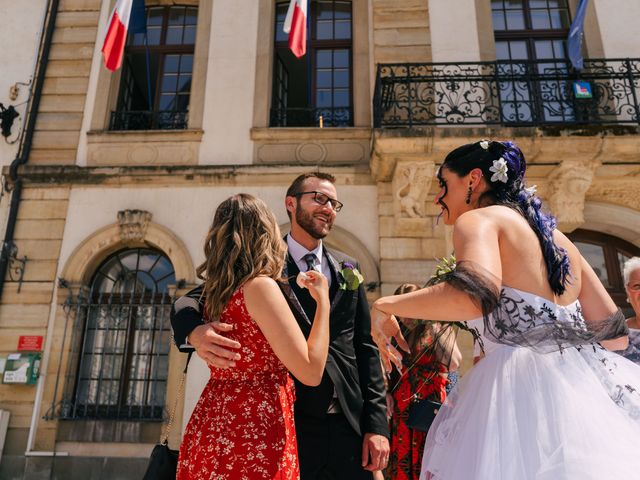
x=353, y=363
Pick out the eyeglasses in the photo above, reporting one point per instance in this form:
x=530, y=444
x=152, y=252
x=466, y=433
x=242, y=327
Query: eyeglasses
x=322, y=199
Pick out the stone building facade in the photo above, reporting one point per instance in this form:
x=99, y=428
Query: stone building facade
x=120, y=183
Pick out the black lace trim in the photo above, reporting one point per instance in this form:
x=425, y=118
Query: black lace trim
x=512, y=320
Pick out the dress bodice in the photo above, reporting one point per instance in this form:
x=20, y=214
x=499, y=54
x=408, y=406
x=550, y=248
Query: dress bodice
x=525, y=319
x=243, y=428
x=257, y=359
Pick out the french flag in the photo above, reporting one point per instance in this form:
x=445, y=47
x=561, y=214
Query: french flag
x=295, y=24
x=116, y=36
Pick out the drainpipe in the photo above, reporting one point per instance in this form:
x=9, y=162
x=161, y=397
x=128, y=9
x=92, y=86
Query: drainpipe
x=27, y=137
x=24, y=151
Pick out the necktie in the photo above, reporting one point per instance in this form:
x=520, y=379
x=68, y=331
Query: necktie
x=311, y=261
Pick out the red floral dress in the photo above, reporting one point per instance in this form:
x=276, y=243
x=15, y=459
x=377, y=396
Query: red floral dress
x=407, y=445
x=242, y=427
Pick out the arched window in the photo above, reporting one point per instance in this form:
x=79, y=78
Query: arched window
x=320, y=83
x=156, y=74
x=606, y=254
x=123, y=347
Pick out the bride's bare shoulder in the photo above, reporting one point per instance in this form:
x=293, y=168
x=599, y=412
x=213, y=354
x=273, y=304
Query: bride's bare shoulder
x=486, y=215
x=475, y=225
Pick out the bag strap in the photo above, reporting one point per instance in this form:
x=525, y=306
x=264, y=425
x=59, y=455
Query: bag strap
x=164, y=438
x=431, y=350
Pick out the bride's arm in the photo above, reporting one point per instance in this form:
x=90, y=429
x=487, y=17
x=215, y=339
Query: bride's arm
x=476, y=243
x=479, y=268
x=441, y=302
x=597, y=305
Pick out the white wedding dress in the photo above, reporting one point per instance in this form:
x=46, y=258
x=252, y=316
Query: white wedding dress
x=519, y=414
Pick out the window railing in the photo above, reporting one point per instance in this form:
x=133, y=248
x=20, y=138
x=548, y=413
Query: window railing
x=312, y=117
x=117, y=357
x=509, y=93
x=149, y=120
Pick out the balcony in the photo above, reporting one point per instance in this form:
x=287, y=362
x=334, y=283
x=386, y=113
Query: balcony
x=149, y=120
x=507, y=93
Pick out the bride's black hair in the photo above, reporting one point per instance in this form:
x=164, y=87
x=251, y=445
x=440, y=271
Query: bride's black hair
x=507, y=187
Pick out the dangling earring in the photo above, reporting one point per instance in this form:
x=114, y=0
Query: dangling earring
x=469, y=192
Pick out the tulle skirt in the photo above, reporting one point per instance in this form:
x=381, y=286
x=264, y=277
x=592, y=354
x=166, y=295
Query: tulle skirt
x=520, y=415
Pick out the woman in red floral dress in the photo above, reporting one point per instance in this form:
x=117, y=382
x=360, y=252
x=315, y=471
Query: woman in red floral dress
x=424, y=376
x=242, y=427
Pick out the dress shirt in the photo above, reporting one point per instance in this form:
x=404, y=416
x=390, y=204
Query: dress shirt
x=298, y=252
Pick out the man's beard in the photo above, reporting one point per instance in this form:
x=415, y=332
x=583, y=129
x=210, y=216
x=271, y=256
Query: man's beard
x=305, y=220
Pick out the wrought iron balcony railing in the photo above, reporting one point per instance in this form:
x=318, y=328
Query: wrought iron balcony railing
x=311, y=117
x=148, y=120
x=508, y=93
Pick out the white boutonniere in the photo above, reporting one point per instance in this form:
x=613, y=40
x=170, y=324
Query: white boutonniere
x=500, y=171
x=351, y=277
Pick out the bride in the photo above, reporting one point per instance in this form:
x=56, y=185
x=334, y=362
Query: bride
x=548, y=401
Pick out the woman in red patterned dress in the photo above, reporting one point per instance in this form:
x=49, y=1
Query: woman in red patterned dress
x=242, y=427
x=424, y=375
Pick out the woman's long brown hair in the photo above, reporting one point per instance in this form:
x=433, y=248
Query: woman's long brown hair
x=243, y=242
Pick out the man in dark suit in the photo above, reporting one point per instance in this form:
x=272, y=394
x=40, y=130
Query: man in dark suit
x=341, y=424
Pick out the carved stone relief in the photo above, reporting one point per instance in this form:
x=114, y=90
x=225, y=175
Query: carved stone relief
x=311, y=153
x=146, y=148
x=133, y=225
x=410, y=187
x=411, y=184
x=569, y=184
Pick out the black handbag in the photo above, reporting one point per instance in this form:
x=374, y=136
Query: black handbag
x=421, y=414
x=164, y=461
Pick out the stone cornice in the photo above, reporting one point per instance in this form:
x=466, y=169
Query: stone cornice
x=192, y=175
x=136, y=136
x=306, y=133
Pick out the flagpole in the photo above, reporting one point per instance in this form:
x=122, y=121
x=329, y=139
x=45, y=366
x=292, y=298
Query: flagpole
x=146, y=51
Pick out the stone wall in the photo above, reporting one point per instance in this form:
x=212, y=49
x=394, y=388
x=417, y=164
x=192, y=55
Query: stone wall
x=26, y=308
x=401, y=31
x=64, y=94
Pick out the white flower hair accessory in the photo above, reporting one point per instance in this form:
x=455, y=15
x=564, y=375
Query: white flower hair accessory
x=499, y=169
x=484, y=144
x=531, y=190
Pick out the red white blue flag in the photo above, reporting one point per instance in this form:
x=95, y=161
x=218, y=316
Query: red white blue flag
x=295, y=24
x=116, y=36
